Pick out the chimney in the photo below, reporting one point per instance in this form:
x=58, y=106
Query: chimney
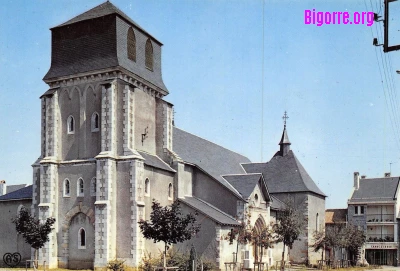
x=363, y=176
x=356, y=180
x=2, y=187
x=387, y=174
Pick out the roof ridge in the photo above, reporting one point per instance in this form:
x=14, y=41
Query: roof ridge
x=241, y=174
x=212, y=142
x=299, y=165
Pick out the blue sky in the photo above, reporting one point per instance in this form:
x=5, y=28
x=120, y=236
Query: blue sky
x=326, y=77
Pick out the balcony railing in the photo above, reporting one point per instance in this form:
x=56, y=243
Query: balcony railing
x=380, y=238
x=371, y=218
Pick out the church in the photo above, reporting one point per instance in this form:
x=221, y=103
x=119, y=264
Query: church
x=109, y=147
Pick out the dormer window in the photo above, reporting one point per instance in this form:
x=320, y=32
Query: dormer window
x=131, y=45
x=95, y=122
x=71, y=125
x=149, y=55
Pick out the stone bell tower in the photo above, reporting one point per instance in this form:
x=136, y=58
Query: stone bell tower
x=103, y=111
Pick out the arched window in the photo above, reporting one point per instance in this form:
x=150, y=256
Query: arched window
x=131, y=44
x=93, y=187
x=147, y=187
x=316, y=222
x=95, y=122
x=256, y=200
x=82, y=238
x=149, y=55
x=170, y=191
x=80, y=187
x=71, y=125
x=67, y=188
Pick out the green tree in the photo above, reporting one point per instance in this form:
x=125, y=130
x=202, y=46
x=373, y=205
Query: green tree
x=242, y=234
x=354, y=239
x=263, y=238
x=35, y=233
x=168, y=224
x=291, y=223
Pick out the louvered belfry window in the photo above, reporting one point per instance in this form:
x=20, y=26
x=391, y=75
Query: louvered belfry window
x=149, y=55
x=131, y=45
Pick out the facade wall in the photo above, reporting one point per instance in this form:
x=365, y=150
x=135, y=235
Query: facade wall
x=81, y=257
x=12, y=242
x=316, y=222
x=138, y=67
x=299, y=252
x=209, y=190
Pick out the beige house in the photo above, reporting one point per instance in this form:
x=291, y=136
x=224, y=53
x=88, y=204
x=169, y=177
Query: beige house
x=109, y=147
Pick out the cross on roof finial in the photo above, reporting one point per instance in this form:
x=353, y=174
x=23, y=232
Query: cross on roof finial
x=285, y=117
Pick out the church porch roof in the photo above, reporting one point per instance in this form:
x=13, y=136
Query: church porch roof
x=210, y=211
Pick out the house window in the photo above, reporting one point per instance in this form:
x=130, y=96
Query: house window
x=170, y=191
x=82, y=238
x=95, y=122
x=149, y=55
x=66, y=188
x=80, y=186
x=71, y=125
x=131, y=45
x=358, y=210
x=147, y=187
x=93, y=187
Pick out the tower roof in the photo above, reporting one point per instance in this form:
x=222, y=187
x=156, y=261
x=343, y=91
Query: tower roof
x=284, y=174
x=106, y=8
x=285, y=137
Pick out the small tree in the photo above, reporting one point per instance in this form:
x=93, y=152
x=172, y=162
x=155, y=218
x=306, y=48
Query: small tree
x=289, y=226
x=263, y=238
x=168, y=224
x=35, y=233
x=242, y=234
x=354, y=239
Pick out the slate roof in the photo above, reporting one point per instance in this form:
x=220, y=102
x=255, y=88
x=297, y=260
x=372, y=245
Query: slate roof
x=284, y=174
x=155, y=161
x=14, y=187
x=106, y=8
x=209, y=210
x=244, y=183
x=335, y=216
x=209, y=157
x=23, y=193
x=376, y=189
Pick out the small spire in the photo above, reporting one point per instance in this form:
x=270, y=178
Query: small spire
x=285, y=142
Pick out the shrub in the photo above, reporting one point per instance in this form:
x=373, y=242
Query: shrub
x=174, y=258
x=116, y=265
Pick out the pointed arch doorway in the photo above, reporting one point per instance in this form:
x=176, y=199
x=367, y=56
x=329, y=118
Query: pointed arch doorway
x=258, y=251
